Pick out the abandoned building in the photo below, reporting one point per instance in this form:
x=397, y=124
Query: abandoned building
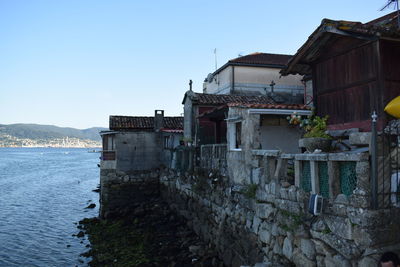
x=140, y=143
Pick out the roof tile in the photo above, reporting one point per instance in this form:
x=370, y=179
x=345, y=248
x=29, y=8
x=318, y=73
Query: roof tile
x=143, y=123
x=210, y=99
x=262, y=58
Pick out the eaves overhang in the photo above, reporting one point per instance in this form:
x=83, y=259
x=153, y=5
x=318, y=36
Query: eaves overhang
x=271, y=111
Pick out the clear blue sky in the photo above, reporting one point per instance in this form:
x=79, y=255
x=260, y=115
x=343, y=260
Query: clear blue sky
x=74, y=63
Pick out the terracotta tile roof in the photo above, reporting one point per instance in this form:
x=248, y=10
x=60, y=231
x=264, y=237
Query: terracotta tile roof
x=143, y=123
x=271, y=106
x=210, y=99
x=263, y=59
x=385, y=26
x=212, y=112
x=390, y=18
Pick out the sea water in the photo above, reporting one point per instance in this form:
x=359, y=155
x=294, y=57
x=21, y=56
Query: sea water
x=43, y=193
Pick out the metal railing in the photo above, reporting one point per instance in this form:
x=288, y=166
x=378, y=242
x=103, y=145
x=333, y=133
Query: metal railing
x=213, y=156
x=387, y=162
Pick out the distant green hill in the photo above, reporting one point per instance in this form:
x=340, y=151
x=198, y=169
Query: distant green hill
x=37, y=131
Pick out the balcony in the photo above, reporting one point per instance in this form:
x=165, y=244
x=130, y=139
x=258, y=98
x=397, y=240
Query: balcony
x=108, y=155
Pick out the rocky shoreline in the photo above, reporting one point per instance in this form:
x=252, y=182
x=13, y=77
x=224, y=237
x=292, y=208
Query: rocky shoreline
x=152, y=235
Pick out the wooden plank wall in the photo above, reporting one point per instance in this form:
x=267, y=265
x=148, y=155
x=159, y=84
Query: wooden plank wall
x=346, y=84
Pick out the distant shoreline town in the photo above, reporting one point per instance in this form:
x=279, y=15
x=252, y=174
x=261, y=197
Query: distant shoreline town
x=11, y=141
x=35, y=135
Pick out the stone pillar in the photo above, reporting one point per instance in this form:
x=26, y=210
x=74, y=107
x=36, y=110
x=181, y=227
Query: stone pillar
x=314, y=177
x=297, y=172
x=334, y=179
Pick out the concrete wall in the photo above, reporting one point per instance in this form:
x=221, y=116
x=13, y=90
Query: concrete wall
x=277, y=134
x=167, y=154
x=238, y=159
x=138, y=150
x=254, y=80
x=221, y=83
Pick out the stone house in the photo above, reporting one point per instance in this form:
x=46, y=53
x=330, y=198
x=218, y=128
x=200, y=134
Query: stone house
x=203, y=129
x=355, y=69
x=249, y=193
x=136, y=143
x=256, y=74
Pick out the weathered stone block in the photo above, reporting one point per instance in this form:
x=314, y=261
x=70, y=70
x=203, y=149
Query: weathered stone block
x=301, y=196
x=341, y=199
x=287, y=249
x=308, y=248
x=256, y=224
x=284, y=193
x=336, y=261
x=301, y=260
x=339, y=209
x=264, y=210
x=345, y=247
x=360, y=201
x=340, y=226
x=265, y=236
x=363, y=175
x=277, y=249
x=256, y=174
x=348, y=156
x=292, y=193
x=360, y=138
x=275, y=188
x=368, y=262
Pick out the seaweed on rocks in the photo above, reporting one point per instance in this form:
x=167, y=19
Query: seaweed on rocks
x=158, y=237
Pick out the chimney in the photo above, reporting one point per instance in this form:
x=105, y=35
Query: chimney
x=158, y=120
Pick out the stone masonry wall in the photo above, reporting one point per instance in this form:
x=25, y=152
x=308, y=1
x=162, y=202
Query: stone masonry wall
x=269, y=223
x=262, y=221
x=122, y=194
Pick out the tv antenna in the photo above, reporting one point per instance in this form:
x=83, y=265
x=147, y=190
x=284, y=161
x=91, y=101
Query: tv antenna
x=395, y=5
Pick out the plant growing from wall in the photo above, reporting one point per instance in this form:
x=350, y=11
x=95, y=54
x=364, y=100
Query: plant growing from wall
x=249, y=191
x=296, y=220
x=201, y=184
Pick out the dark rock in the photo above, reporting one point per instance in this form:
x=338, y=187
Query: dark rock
x=91, y=206
x=80, y=234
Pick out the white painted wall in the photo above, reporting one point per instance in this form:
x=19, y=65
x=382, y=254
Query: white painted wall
x=253, y=79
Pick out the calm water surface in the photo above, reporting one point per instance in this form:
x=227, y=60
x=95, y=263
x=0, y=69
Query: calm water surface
x=43, y=192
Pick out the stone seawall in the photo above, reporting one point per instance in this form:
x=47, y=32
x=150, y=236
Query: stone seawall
x=270, y=223
x=125, y=194
x=261, y=222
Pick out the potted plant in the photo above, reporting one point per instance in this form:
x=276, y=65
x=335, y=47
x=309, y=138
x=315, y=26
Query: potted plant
x=187, y=141
x=315, y=136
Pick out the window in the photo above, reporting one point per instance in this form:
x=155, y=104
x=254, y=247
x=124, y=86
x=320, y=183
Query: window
x=167, y=144
x=238, y=135
x=108, y=142
x=235, y=135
